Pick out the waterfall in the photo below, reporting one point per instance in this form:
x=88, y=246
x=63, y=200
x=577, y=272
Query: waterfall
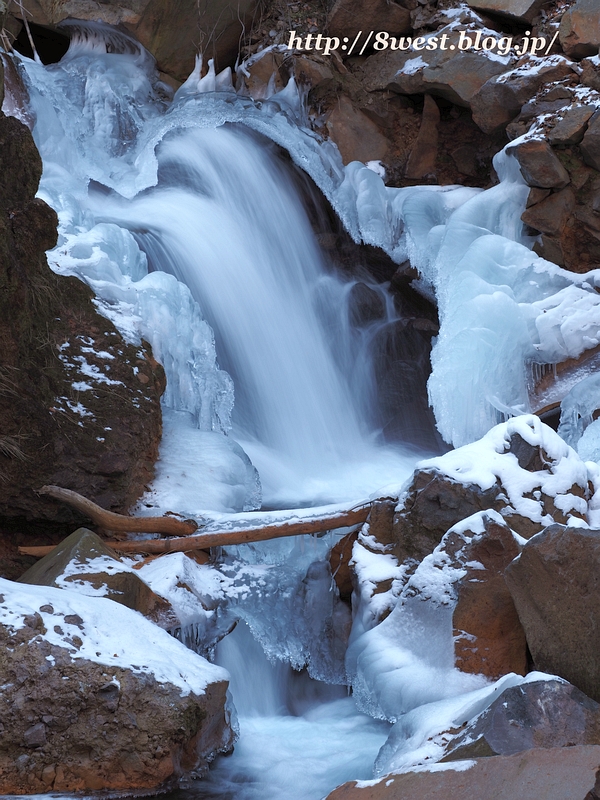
x=193, y=237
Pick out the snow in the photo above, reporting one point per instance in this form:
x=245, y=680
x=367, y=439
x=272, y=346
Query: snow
x=111, y=635
x=488, y=462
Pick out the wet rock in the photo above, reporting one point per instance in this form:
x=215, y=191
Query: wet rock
x=572, y=126
x=357, y=137
x=579, y=31
x=567, y=773
x=345, y=19
x=501, y=98
x=590, y=145
x=539, y=165
x=555, y=584
x=73, y=724
x=100, y=443
x=488, y=637
x=518, y=10
x=423, y=155
x=538, y=714
x=339, y=561
x=455, y=75
x=551, y=215
x=83, y=563
x=365, y=305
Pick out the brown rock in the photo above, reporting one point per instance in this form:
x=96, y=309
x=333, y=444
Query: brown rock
x=174, y=31
x=452, y=74
x=48, y=325
x=433, y=504
x=347, y=18
x=590, y=145
x=538, y=714
x=83, y=563
x=539, y=165
x=551, y=214
x=579, y=31
x=264, y=75
x=590, y=73
x=488, y=637
x=423, y=156
x=339, y=561
x=520, y=10
x=357, y=137
x=73, y=725
x=572, y=126
x=312, y=72
x=555, y=584
x=501, y=98
x=560, y=773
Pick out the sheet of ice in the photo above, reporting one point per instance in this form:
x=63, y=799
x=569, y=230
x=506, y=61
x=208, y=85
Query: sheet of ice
x=110, y=634
x=419, y=738
x=199, y=470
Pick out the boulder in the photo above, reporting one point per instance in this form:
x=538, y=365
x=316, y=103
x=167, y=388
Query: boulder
x=456, y=75
x=357, y=137
x=555, y=584
x=517, y=10
x=552, y=213
x=488, y=637
x=571, y=126
x=492, y=474
x=567, y=773
x=96, y=698
x=378, y=531
x=539, y=165
x=55, y=430
x=262, y=75
x=346, y=18
x=501, y=98
x=590, y=145
x=538, y=714
x=83, y=563
x=432, y=504
x=579, y=31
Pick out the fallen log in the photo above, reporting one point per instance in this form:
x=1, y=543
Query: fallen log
x=204, y=541
x=119, y=522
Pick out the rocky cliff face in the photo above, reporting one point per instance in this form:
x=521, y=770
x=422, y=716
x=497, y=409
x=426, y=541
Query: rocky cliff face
x=79, y=406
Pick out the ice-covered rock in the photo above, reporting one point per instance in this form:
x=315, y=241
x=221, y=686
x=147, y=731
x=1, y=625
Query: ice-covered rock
x=549, y=713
